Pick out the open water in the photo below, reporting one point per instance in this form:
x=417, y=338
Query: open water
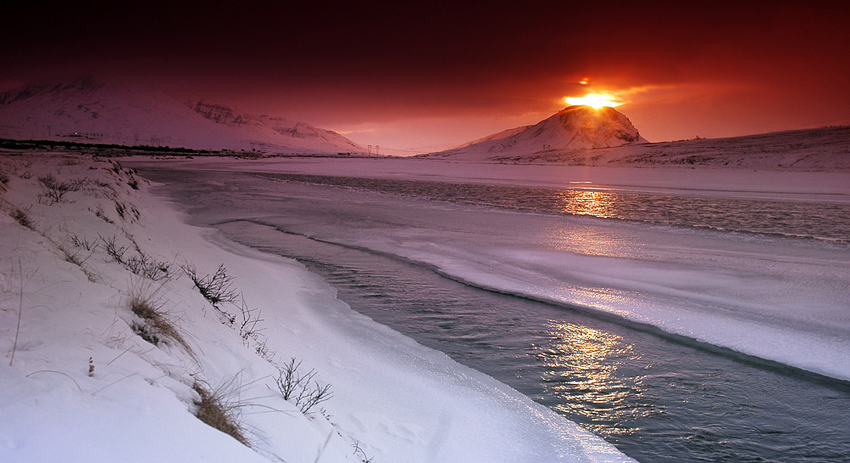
x=657, y=398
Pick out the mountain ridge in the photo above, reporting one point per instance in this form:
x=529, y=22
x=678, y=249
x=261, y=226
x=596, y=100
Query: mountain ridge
x=93, y=111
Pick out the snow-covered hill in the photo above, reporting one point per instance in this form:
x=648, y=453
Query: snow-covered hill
x=582, y=136
x=573, y=128
x=823, y=149
x=91, y=111
x=264, y=127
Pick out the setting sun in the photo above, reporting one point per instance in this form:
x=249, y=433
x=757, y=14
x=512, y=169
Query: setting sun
x=594, y=99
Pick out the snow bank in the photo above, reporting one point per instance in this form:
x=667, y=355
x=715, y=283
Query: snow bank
x=80, y=383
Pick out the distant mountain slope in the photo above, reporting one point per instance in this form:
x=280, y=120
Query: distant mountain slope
x=573, y=128
x=821, y=149
x=88, y=110
x=274, y=128
x=582, y=136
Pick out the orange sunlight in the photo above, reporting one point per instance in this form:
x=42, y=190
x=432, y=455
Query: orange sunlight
x=594, y=99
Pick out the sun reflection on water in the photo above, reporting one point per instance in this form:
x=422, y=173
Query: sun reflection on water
x=587, y=202
x=582, y=372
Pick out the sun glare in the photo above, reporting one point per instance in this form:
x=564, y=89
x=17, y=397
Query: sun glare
x=594, y=99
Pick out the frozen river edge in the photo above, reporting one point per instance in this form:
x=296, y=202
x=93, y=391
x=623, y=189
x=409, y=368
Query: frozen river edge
x=770, y=316
x=78, y=357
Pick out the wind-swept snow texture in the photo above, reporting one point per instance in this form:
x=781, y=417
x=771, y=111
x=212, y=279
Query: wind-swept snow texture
x=91, y=111
x=84, y=378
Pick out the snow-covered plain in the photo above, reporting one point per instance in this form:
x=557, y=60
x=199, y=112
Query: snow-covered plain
x=776, y=298
x=79, y=383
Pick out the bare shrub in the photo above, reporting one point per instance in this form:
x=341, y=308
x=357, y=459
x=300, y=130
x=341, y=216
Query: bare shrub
x=263, y=350
x=83, y=243
x=113, y=249
x=140, y=264
x=216, y=288
x=148, y=267
x=248, y=325
x=306, y=392
x=217, y=408
x=361, y=454
x=53, y=190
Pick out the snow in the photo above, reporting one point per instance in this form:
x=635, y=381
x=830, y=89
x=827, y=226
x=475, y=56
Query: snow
x=819, y=149
x=79, y=383
x=779, y=299
x=573, y=128
x=92, y=111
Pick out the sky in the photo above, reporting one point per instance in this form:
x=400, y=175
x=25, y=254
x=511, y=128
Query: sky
x=432, y=75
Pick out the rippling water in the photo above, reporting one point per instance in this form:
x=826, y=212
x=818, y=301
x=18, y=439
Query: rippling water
x=658, y=399
x=824, y=221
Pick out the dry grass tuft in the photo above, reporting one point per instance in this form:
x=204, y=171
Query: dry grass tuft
x=216, y=410
x=156, y=326
x=22, y=218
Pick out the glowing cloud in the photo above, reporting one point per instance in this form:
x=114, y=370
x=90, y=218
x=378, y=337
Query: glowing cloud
x=594, y=99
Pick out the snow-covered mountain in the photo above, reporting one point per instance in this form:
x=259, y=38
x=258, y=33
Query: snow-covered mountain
x=573, y=128
x=273, y=128
x=820, y=149
x=583, y=136
x=88, y=110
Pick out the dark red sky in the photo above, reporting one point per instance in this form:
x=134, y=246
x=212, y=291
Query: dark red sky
x=433, y=75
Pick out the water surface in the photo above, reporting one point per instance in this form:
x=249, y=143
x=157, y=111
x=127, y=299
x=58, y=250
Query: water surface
x=657, y=399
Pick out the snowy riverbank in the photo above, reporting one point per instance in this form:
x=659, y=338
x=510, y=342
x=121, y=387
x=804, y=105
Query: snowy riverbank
x=87, y=379
x=774, y=297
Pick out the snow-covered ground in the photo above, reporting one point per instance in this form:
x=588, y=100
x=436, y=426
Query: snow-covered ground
x=81, y=383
